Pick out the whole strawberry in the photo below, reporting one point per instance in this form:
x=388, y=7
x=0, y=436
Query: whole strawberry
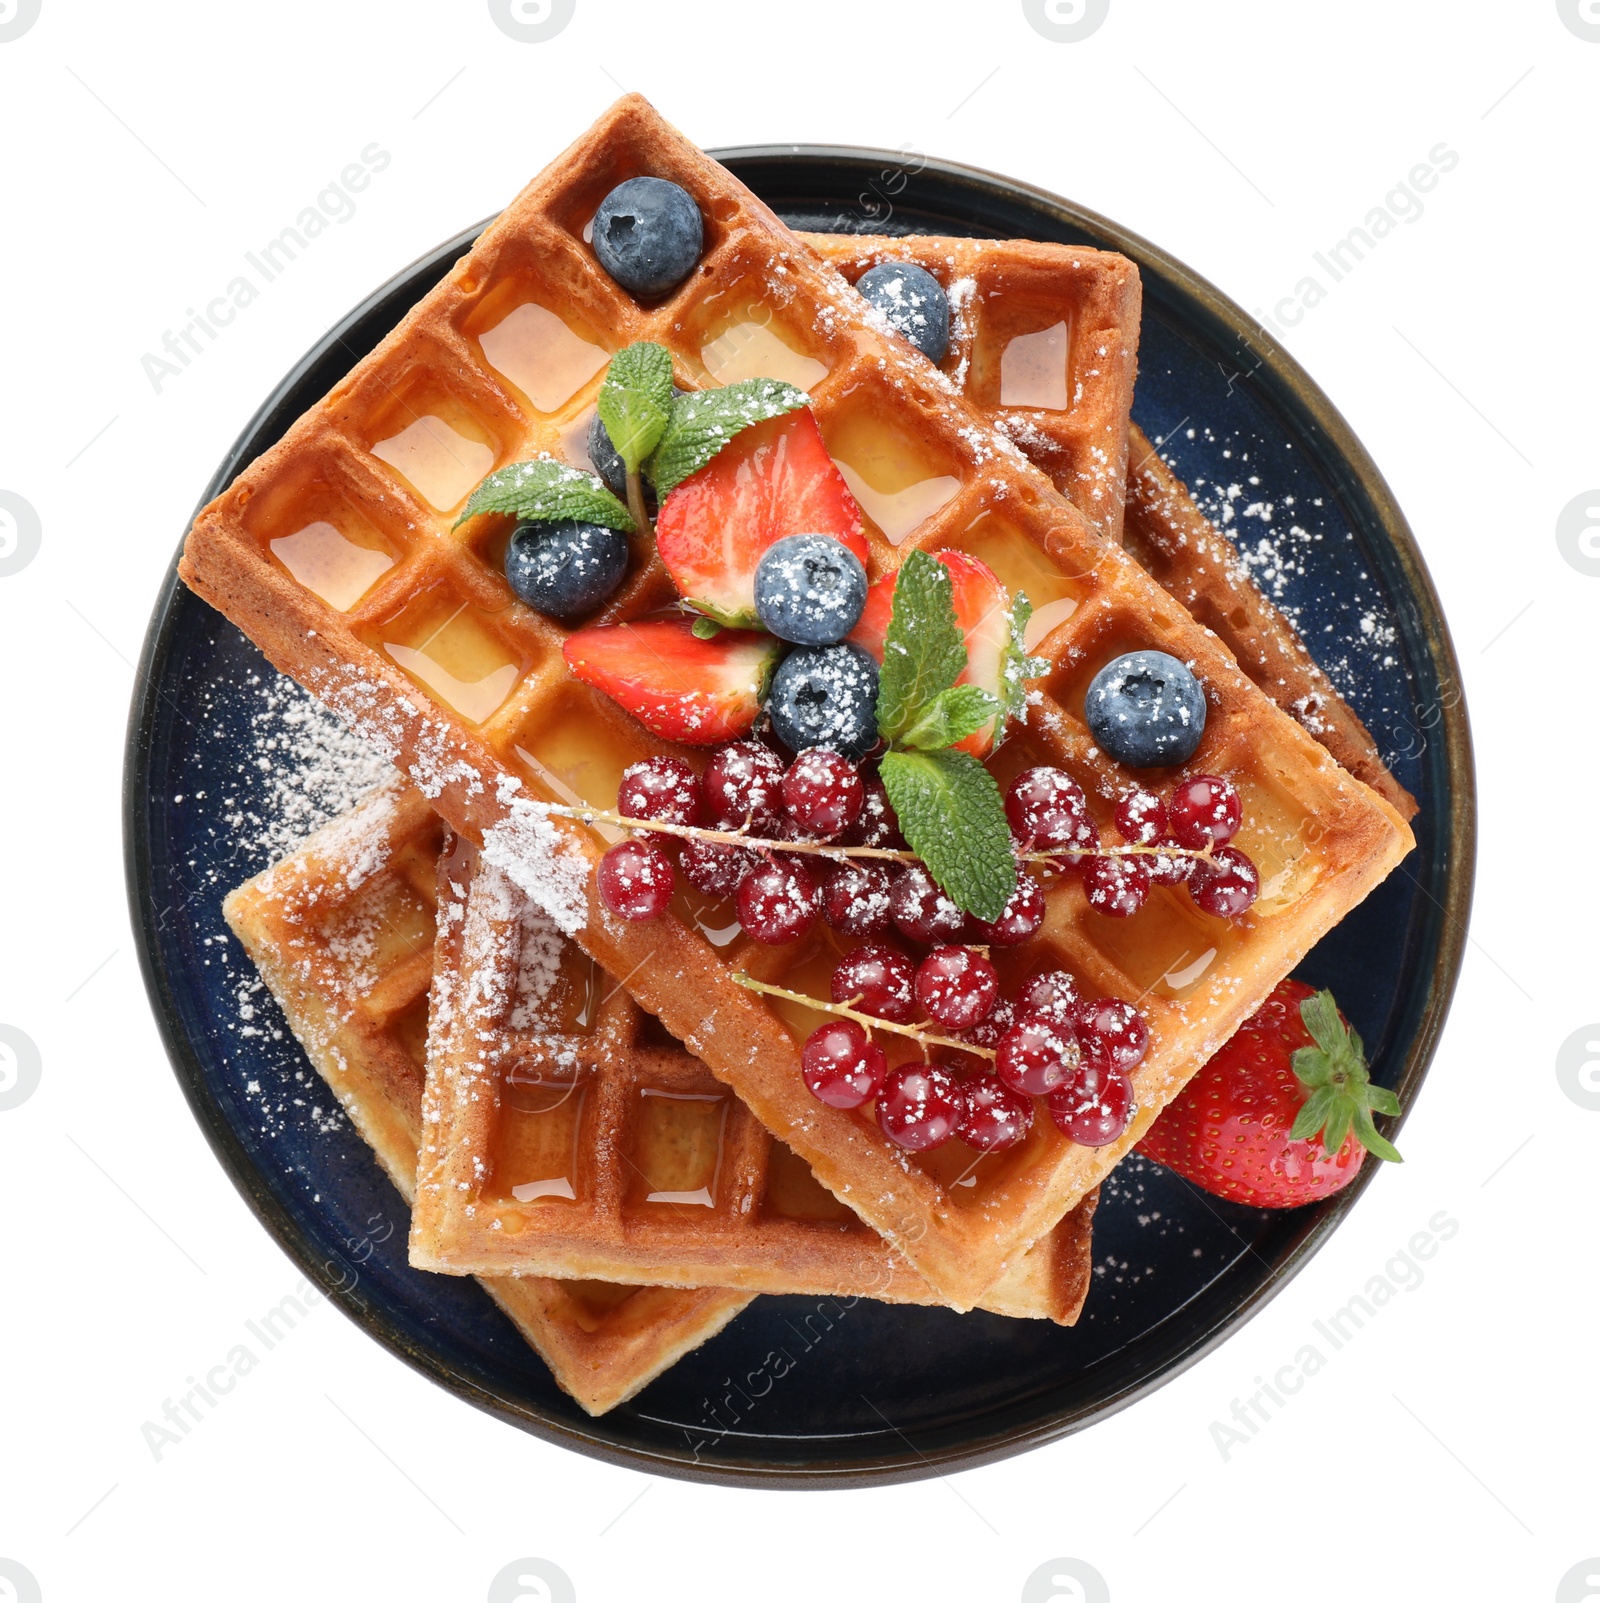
x=1282, y=1115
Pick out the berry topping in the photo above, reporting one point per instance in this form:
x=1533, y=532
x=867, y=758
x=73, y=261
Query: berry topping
x=1227, y=885
x=914, y=302
x=810, y=589
x=1053, y=994
x=635, y=879
x=744, y=783
x=699, y=692
x=841, y=1066
x=826, y=696
x=1093, y=1106
x=877, y=824
x=855, y=898
x=648, y=235
x=1047, y=810
x=779, y=900
x=1146, y=710
x=876, y=980
x=921, y=911
x=607, y=461
x=991, y=1031
x=714, y=870
x=1141, y=818
x=1111, y=1032
x=566, y=568
x=1036, y=1055
x=982, y=615
x=1023, y=915
x=823, y=793
x=661, y=788
x=1204, y=811
x=1116, y=886
x=996, y=1117
x=920, y=1106
x=957, y=986
x=770, y=480
x=1170, y=868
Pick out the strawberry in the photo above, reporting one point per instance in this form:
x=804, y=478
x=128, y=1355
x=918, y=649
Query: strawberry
x=982, y=611
x=770, y=480
x=1246, y=1127
x=701, y=692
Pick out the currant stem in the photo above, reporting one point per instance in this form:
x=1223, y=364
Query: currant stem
x=923, y=1037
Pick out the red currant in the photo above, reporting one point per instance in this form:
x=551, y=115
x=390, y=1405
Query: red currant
x=1022, y=916
x=841, y=1066
x=1111, y=1032
x=1204, y=811
x=1116, y=886
x=1093, y=1106
x=1141, y=818
x=742, y=782
x=957, y=986
x=1052, y=993
x=1036, y=1055
x=876, y=824
x=921, y=911
x=991, y=1031
x=1047, y=810
x=920, y=1106
x=665, y=789
x=996, y=1117
x=1227, y=885
x=714, y=870
x=823, y=792
x=877, y=980
x=779, y=901
x=1173, y=869
x=635, y=879
x=855, y=897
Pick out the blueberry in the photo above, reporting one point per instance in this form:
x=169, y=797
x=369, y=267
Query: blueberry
x=1146, y=710
x=810, y=589
x=604, y=460
x=647, y=235
x=567, y=568
x=826, y=696
x=914, y=302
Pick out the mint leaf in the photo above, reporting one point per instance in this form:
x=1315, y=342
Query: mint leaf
x=702, y=423
x=548, y=491
x=924, y=651
x=1017, y=667
x=950, y=811
x=951, y=716
x=635, y=400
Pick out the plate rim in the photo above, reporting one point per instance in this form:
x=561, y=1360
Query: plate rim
x=1339, y=454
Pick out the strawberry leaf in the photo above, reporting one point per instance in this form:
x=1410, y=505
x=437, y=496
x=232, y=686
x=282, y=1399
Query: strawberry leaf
x=923, y=649
x=1343, y=1097
x=950, y=716
x=635, y=400
x=547, y=491
x=701, y=423
x=951, y=813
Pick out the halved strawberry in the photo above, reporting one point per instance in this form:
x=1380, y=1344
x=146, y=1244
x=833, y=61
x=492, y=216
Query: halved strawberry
x=701, y=692
x=770, y=480
x=982, y=610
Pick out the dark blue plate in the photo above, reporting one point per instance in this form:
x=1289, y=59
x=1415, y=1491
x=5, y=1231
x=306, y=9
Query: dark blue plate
x=796, y=1390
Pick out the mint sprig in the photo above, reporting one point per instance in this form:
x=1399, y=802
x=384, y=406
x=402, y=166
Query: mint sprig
x=1342, y=1095
x=635, y=400
x=950, y=717
x=702, y=422
x=951, y=814
x=1017, y=666
x=547, y=491
x=924, y=651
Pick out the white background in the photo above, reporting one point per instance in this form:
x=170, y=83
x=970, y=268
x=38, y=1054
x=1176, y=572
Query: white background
x=1447, y=1450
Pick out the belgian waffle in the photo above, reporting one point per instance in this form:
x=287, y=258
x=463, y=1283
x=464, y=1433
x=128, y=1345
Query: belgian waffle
x=1025, y=318
x=417, y=641
x=564, y=1131
x=1087, y=302
x=343, y=934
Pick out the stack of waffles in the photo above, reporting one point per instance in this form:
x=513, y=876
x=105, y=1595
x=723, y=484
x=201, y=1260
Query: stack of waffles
x=593, y=1116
